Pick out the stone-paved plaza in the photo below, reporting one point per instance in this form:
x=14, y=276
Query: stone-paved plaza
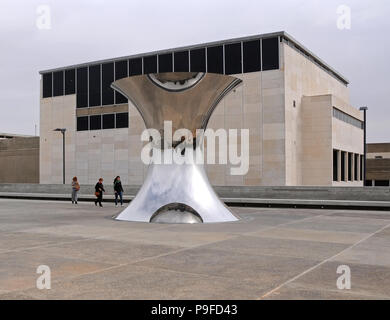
x=268, y=254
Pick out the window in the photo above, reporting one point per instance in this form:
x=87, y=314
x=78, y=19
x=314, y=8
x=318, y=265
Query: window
x=343, y=166
x=338, y=114
x=82, y=123
x=109, y=121
x=122, y=120
x=150, y=64
x=47, y=85
x=181, y=61
x=107, y=80
x=165, y=62
x=356, y=158
x=361, y=167
x=252, y=57
x=120, y=73
x=335, y=165
x=349, y=166
x=198, y=60
x=382, y=183
x=135, y=66
x=94, y=86
x=270, y=53
x=215, y=59
x=58, y=83
x=95, y=122
x=369, y=183
x=233, y=58
x=70, y=83
x=82, y=88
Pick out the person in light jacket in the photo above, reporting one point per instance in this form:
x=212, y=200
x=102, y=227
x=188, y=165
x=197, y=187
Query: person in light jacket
x=75, y=190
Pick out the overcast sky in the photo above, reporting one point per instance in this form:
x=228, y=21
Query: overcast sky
x=87, y=30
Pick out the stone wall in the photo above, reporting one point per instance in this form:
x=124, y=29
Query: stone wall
x=19, y=160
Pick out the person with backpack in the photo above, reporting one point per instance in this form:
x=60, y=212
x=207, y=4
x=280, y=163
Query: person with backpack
x=75, y=190
x=99, y=189
x=118, y=189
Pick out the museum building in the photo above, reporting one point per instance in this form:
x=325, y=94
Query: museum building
x=303, y=130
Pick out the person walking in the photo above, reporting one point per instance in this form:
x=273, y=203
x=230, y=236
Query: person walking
x=118, y=189
x=75, y=190
x=99, y=189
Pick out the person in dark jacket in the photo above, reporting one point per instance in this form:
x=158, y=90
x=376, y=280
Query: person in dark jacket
x=118, y=190
x=99, y=189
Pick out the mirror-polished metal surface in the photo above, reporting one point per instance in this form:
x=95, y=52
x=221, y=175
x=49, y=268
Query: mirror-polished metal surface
x=188, y=100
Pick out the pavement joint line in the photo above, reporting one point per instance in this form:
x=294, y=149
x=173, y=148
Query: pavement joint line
x=121, y=265
x=165, y=254
x=284, y=224
x=232, y=236
x=349, y=292
x=105, y=237
x=323, y=262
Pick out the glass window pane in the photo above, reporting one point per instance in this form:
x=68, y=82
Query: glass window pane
x=335, y=165
x=82, y=88
x=349, y=166
x=135, y=66
x=58, y=83
x=107, y=80
x=252, y=57
x=215, y=59
x=47, y=85
x=270, y=52
x=343, y=166
x=181, y=61
x=120, y=73
x=70, y=83
x=198, y=60
x=150, y=64
x=122, y=120
x=108, y=121
x=95, y=122
x=165, y=62
x=94, y=86
x=233, y=58
x=82, y=123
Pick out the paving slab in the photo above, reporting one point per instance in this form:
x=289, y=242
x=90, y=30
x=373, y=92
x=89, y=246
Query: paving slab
x=295, y=292
x=258, y=269
x=136, y=282
x=286, y=232
x=366, y=280
x=280, y=247
x=270, y=253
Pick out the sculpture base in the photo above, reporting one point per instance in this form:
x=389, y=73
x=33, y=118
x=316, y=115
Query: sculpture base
x=177, y=193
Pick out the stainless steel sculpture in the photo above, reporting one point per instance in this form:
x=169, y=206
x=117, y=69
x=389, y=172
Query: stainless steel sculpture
x=176, y=193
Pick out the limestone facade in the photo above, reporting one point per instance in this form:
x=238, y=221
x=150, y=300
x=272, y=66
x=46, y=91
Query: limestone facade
x=289, y=114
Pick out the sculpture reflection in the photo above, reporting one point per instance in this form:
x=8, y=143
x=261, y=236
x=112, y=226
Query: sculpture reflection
x=177, y=193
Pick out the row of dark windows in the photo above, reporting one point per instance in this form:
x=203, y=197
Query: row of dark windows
x=378, y=183
x=350, y=161
x=103, y=121
x=92, y=83
x=338, y=114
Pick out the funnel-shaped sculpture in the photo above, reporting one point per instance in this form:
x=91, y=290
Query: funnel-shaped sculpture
x=176, y=192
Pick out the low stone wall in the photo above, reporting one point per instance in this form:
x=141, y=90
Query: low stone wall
x=317, y=193
x=19, y=160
